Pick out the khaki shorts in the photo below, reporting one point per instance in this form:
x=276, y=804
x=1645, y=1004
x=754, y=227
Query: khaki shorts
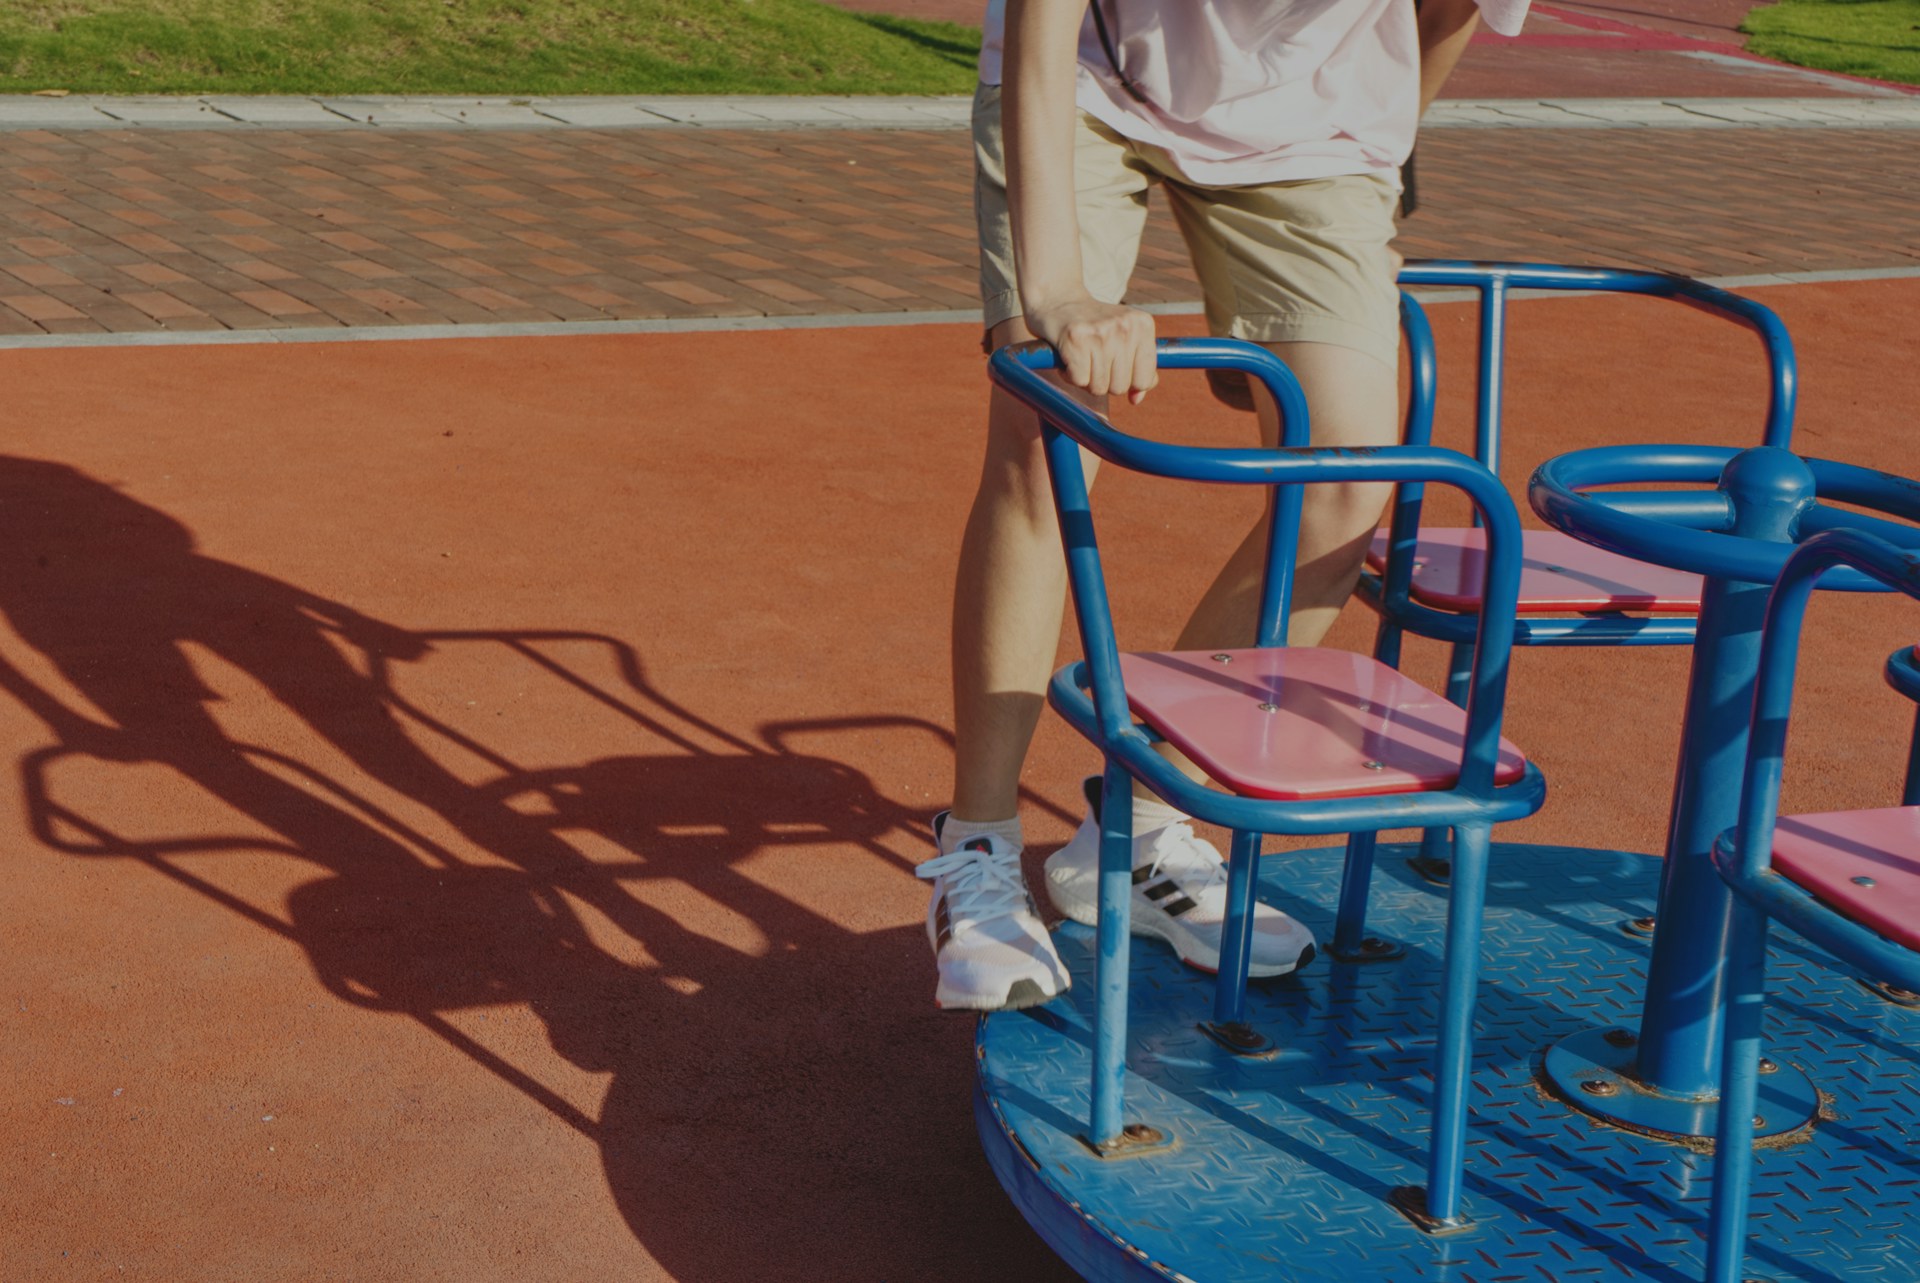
x=1278, y=263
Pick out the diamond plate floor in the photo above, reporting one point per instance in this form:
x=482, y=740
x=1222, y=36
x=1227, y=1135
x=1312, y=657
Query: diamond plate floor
x=1280, y=1168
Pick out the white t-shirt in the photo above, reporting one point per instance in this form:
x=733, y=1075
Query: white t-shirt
x=1258, y=91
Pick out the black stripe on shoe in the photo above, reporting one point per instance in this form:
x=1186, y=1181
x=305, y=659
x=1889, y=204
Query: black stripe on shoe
x=1160, y=891
x=943, y=926
x=1177, y=908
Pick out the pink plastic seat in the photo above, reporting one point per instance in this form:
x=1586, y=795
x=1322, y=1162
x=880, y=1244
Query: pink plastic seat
x=1303, y=722
x=1558, y=574
x=1864, y=865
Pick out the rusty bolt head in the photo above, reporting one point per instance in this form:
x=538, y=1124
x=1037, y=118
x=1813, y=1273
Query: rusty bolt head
x=1620, y=1037
x=1768, y=1067
x=1600, y=1087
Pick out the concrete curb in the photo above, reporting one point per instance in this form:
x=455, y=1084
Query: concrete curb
x=18, y=112
x=711, y=324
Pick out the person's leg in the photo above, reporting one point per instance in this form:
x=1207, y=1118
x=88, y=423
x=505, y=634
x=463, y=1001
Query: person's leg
x=1352, y=400
x=1009, y=591
x=992, y=950
x=1008, y=600
x=1306, y=269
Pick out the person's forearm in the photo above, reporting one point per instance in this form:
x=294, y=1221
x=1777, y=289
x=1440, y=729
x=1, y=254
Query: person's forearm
x=1042, y=61
x=1446, y=27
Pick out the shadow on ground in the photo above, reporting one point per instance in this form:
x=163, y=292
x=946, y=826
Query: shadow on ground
x=747, y=1084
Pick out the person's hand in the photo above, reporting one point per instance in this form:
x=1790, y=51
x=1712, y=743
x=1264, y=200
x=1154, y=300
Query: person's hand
x=1103, y=347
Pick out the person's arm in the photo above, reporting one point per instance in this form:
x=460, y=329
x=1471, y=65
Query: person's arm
x=1103, y=347
x=1446, y=27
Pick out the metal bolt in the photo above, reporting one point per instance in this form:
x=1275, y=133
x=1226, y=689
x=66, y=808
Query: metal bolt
x=1759, y=1120
x=1768, y=1067
x=1599, y=1087
x=1620, y=1037
x=1898, y=994
x=1641, y=926
x=1374, y=766
x=1239, y=1036
x=1269, y=708
x=1223, y=658
x=1375, y=945
x=1862, y=881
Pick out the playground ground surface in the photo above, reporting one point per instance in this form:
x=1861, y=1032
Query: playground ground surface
x=465, y=792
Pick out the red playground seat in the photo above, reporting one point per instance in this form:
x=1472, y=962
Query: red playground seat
x=1864, y=865
x=1304, y=722
x=1558, y=575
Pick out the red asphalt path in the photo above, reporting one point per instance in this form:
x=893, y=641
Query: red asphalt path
x=1578, y=49
x=464, y=793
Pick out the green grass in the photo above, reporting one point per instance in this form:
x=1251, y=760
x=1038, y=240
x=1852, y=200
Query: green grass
x=1877, y=38
x=516, y=47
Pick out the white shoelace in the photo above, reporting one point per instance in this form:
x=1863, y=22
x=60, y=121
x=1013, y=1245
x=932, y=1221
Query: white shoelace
x=980, y=886
x=1182, y=856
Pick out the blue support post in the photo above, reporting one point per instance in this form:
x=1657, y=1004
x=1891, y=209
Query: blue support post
x=1739, y=1096
x=1682, y=1020
x=1910, y=791
x=1350, y=922
x=1453, y=1057
x=1236, y=943
x=1459, y=672
x=1114, y=936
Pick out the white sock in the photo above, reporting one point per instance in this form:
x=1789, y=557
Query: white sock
x=956, y=830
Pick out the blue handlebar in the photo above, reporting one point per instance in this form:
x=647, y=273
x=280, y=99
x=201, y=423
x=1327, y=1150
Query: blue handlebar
x=1689, y=531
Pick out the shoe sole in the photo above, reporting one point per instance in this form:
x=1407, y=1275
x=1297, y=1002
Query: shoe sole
x=1021, y=995
x=1155, y=931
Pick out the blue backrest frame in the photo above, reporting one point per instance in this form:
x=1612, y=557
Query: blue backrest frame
x=1495, y=282
x=1068, y=426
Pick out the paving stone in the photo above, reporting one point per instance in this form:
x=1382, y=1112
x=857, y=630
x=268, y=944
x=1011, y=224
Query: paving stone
x=711, y=221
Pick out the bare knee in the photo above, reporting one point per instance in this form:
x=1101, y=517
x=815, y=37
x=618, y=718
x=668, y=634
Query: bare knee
x=1334, y=516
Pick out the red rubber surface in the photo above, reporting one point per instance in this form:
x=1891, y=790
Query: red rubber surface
x=588, y=971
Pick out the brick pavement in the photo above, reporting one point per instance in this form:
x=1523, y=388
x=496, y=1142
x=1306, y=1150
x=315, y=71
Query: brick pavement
x=118, y=230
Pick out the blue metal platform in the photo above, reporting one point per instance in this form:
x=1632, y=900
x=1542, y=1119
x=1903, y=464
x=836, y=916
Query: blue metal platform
x=1280, y=1169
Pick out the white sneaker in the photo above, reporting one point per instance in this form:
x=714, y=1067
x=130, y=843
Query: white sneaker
x=993, y=951
x=1179, y=895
